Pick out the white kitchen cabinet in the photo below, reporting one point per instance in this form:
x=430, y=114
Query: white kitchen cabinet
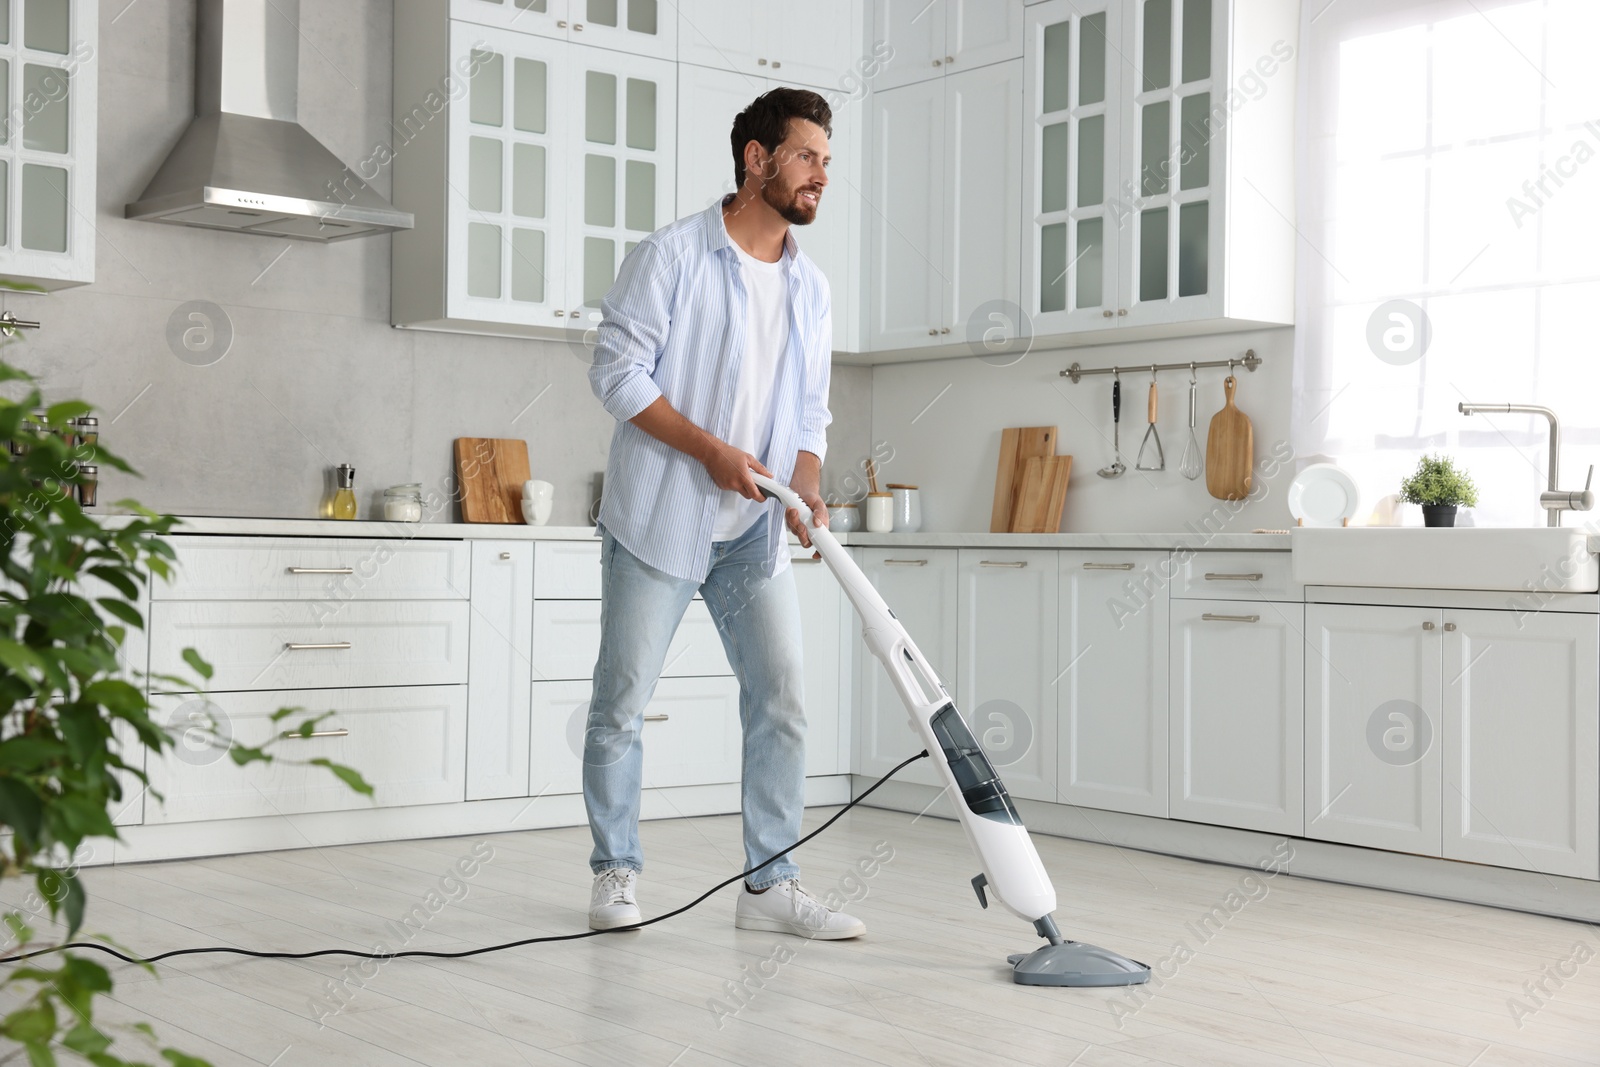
x=1520, y=747
x=273, y=644
x=1159, y=194
x=1470, y=734
x=690, y=734
x=1007, y=662
x=818, y=46
x=943, y=212
x=1111, y=681
x=1373, y=716
x=1238, y=716
x=501, y=631
x=406, y=742
x=643, y=27
x=530, y=185
x=934, y=38
x=708, y=101
x=48, y=90
x=827, y=636
x=921, y=588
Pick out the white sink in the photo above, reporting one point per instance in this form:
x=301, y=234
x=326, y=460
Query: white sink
x=1558, y=560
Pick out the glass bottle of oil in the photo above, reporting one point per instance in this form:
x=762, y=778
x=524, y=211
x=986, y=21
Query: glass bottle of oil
x=344, y=500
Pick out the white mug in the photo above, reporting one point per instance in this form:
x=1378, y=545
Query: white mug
x=538, y=497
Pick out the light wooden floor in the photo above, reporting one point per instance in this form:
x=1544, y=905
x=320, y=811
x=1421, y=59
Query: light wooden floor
x=1299, y=973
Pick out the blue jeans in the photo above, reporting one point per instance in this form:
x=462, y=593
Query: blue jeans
x=758, y=620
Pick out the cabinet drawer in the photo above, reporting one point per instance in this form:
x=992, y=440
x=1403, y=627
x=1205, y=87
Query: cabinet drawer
x=566, y=641
x=1236, y=576
x=566, y=570
x=409, y=743
x=691, y=734
x=330, y=569
x=248, y=643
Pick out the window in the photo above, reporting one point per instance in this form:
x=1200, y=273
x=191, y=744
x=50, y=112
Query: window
x=1450, y=223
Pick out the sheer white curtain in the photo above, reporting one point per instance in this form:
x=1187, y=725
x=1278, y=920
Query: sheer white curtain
x=1449, y=157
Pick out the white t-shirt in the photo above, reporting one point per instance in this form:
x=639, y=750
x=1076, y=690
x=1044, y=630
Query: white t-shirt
x=766, y=336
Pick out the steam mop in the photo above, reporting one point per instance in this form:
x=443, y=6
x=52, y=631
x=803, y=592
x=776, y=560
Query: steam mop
x=1011, y=870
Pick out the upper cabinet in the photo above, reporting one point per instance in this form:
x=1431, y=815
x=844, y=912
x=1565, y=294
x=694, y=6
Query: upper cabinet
x=530, y=182
x=47, y=142
x=927, y=39
x=643, y=27
x=943, y=211
x=819, y=45
x=1159, y=164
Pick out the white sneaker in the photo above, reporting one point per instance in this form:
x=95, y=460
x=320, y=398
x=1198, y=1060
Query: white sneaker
x=786, y=908
x=611, y=904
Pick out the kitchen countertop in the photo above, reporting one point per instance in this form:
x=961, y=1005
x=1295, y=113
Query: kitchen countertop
x=268, y=527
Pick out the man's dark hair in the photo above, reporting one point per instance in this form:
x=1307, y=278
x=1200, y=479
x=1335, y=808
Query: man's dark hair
x=766, y=121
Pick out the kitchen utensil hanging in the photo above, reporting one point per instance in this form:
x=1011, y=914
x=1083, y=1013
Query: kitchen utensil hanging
x=1190, y=466
x=1151, y=435
x=1117, y=466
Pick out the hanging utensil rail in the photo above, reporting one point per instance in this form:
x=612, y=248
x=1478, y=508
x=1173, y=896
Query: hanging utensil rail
x=1249, y=361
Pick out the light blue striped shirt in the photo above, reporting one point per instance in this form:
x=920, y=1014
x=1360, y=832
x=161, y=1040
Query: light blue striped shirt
x=673, y=326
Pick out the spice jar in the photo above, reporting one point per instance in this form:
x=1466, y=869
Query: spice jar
x=88, y=485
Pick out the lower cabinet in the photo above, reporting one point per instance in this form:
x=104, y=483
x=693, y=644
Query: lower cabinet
x=920, y=587
x=1521, y=784
x=408, y=742
x=497, y=669
x=826, y=631
x=566, y=641
x=1372, y=719
x=690, y=735
x=1006, y=663
x=1464, y=733
x=1238, y=717
x=1111, y=681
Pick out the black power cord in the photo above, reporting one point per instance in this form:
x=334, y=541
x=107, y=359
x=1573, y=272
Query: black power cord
x=223, y=950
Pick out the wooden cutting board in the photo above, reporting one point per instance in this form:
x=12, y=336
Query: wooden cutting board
x=489, y=476
x=1017, y=445
x=1229, y=449
x=1041, y=494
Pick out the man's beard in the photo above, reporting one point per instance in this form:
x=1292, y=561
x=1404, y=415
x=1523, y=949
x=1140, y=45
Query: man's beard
x=785, y=200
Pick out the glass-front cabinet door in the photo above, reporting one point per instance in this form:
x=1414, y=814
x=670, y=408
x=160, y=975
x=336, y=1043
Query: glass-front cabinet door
x=47, y=141
x=622, y=156
x=643, y=27
x=506, y=187
x=1072, y=64
x=1172, y=262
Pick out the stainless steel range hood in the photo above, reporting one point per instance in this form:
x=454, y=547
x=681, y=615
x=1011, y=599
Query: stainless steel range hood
x=245, y=163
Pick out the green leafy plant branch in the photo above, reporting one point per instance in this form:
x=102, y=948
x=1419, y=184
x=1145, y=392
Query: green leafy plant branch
x=70, y=590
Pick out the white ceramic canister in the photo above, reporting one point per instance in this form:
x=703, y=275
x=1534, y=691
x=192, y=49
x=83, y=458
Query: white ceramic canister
x=907, y=508
x=880, y=512
x=842, y=518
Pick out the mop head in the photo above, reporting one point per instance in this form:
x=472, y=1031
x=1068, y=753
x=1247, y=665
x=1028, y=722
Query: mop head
x=1073, y=963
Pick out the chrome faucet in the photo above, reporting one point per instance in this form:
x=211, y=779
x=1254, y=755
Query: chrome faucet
x=1553, y=500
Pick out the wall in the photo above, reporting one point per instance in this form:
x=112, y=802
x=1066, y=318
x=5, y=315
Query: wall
x=942, y=419
x=314, y=376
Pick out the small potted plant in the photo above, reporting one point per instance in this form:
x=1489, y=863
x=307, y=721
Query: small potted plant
x=1440, y=488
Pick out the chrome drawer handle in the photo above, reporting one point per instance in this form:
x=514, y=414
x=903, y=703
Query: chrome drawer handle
x=655, y=718
x=296, y=646
x=1019, y=563
x=804, y=559
x=1234, y=577
x=906, y=562
x=296, y=735
x=322, y=570
x=1230, y=618
x=1108, y=566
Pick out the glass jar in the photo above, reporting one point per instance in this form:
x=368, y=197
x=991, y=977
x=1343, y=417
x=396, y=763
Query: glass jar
x=403, y=503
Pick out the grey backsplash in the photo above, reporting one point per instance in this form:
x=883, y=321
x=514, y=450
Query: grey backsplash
x=315, y=375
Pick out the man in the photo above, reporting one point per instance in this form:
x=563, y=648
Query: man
x=713, y=355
